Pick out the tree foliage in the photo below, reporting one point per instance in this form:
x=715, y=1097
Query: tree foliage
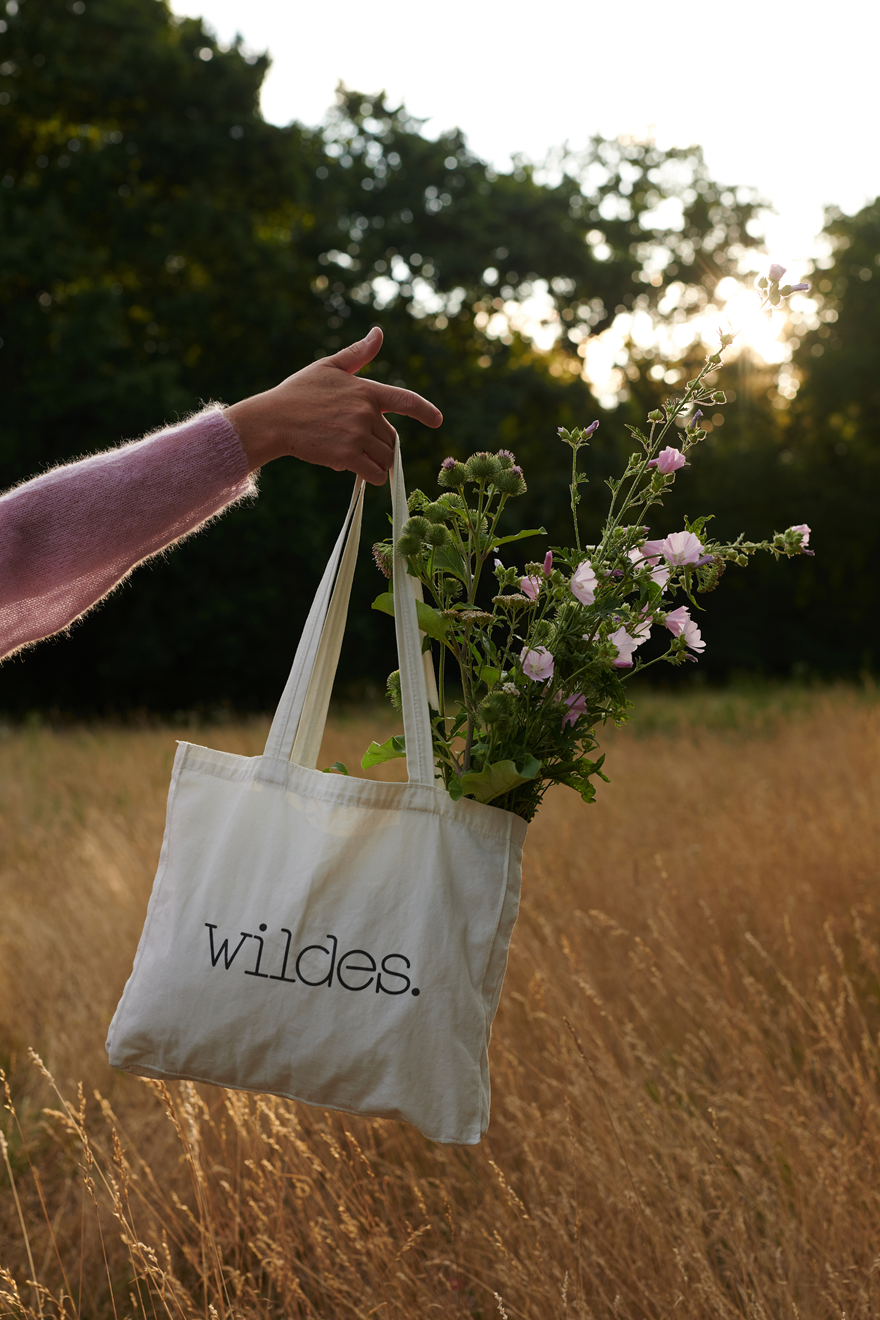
x=161, y=244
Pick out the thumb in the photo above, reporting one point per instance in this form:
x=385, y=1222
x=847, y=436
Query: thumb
x=357, y=355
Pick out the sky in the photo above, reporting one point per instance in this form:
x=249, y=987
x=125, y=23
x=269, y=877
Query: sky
x=780, y=96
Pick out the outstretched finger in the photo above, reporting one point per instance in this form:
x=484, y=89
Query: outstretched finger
x=393, y=399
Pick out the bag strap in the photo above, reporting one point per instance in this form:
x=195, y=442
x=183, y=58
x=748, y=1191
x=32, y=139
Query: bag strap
x=298, y=726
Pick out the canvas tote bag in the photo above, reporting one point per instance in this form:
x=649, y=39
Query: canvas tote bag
x=329, y=939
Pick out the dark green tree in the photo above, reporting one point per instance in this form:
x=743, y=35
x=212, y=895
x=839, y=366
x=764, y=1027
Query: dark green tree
x=160, y=244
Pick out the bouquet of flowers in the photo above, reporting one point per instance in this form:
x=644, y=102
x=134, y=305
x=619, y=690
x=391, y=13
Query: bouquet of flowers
x=547, y=665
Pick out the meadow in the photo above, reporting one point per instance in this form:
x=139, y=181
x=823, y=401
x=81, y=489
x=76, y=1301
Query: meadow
x=685, y=1110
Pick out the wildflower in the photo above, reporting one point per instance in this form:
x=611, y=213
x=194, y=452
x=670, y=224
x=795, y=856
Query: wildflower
x=677, y=620
x=593, y=427
x=681, y=549
x=384, y=558
x=530, y=586
x=510, y=481
x=506, y=458
x=805, y=534
x=452, y=473
x=692, y=636
x=510, y=688
x=668, y=461
x=537, y=663
x=799, y=288
x=625, y=644
x=483, y=467
x=641, y=560
x=577, y=706
x=548, y=563
x=584, y=582
x=694, y=423
x=776, y=272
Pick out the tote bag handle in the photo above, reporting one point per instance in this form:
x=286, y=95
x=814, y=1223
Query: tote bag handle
x=299, y=721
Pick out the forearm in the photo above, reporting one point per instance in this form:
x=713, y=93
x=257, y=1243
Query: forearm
x=69, y=537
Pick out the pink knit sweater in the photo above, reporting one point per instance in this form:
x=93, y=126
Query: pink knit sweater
x=70, y=536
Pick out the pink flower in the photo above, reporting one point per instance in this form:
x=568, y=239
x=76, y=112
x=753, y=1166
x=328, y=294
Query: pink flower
x=625, y=646
x=669, y=460
x=537, y=664
x=804, y=531
x=776, y=272
x=642, y=630
x=577, y=706
x=677, y=620
x=652, y=550
x=692, y=636
x=530, y=586
x=584, y=582
x=548, y=563
x=681, y=548
x=641, y=560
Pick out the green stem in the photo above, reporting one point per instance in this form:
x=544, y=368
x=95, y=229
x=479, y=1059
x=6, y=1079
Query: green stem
x=573, y=488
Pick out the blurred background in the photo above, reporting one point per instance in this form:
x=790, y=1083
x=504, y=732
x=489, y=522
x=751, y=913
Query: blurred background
x=549, y=225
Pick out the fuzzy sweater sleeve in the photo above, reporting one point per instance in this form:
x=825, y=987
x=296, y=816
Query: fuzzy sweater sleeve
x=71, y=535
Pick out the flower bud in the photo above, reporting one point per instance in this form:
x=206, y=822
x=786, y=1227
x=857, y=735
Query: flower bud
x=392, y=686
x=593, y=427
x=435, y=513
x=436, y=535
x=657, y=415
x=719, y=397
x=799, y=288
x=452, y=473
x=715, y=359
x=776, y=272
x=506, y=458
x=383, y=556
x=483, y=467
x=762, y=282
x=511, y=482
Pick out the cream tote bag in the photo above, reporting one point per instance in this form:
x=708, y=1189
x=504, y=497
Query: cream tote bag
x=329, y=939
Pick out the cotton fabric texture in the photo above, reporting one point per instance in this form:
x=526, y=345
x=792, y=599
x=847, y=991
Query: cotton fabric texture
x=329, y=939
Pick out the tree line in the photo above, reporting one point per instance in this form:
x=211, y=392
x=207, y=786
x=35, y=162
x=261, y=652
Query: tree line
x=162, y=245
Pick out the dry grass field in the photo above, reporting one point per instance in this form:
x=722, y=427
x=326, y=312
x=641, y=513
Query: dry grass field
x=686, y=1110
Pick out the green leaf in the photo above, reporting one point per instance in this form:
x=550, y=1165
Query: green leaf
x=379, y=753
x=489, y=676
x=448, y=560
x=337, y=766
x=431, y=621
x=498, y=778
x=520, y=536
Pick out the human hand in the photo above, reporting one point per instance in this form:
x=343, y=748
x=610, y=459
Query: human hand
x=326, y=414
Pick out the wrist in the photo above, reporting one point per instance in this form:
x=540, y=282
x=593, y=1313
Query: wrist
x=254, y=424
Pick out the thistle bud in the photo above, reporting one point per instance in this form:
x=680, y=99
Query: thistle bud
x=511, y=482
x=392, y=686
x=506, y=458
x=435, y=513
x=483, y=467
x=436, y=535
x=384, y=558
x=452, y=473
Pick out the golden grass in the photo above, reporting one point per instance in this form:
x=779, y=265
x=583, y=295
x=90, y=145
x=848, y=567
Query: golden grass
x=686, y=1114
